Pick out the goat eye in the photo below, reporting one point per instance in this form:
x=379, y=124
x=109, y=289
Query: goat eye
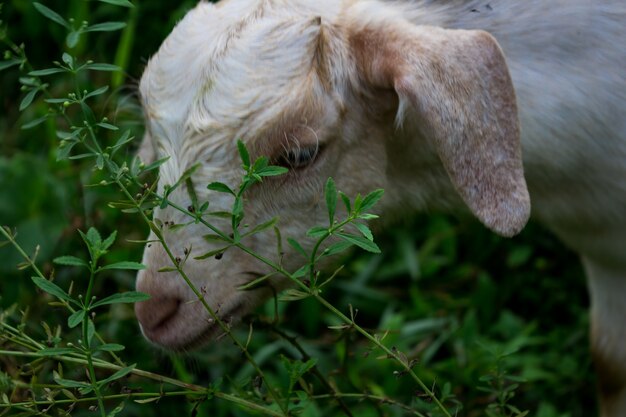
x=299, y=157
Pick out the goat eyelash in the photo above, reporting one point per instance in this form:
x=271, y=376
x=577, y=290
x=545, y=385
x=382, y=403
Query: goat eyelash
x=300, y=157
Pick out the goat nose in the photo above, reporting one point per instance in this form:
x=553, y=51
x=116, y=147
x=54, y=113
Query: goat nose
x=157, y=311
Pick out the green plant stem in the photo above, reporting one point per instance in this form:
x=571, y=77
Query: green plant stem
x=98, y=363
x=142, y=395
x=87, y=342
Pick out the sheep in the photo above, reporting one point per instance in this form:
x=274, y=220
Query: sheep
x=423, y=98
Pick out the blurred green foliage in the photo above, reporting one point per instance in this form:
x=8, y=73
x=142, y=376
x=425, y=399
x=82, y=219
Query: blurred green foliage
x=460, y=300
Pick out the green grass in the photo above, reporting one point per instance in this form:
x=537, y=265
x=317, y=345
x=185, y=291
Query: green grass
x=478, y=313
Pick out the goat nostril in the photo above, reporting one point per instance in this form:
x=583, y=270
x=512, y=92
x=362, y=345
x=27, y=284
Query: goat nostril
x=156, y=311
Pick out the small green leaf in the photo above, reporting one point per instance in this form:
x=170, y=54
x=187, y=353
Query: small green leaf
x=155, y=164
x=317, y=232
x=125, y=297
x=346, y=201
x=119, y=374
x=259, y=228
x=124, y=3
x=51, y=14
x=28, y=99
x=52, y=289
x=220, y=187
x=212, y=253
x=102, y=67
x=9, y=63
x=106, y=27
x=110, y=347
x=337, y=247
x=68, y=383
x=106, y=244
x=97, y=92
x=108, y=126
x=35, y=122
x=93, y=237
x=293, y=295
x=330, y=192
x=256, y=283
x=47, y=71
x=364, y=230
x=72, y=39
x=294, y=244
x=135, y=266
x=371, y=199
x=272, y=171
x=243, y=153
x=361, y=242
x=75, y=319
x=69, y=261
x=215, y=238
x=68, y=59
x=55, y=351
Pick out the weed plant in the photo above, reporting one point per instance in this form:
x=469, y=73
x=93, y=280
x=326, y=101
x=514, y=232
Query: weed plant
x=68, y=340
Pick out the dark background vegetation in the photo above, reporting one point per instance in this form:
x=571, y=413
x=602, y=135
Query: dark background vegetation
x=448, y=291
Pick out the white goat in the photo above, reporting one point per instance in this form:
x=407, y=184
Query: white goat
x=393, y=94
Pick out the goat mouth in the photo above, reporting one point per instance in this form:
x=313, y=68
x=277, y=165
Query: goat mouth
x=192, y=327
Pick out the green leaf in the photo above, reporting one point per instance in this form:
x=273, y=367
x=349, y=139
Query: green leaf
x=106, y=244
x=72, y=39
x=69, y=261
x=293, y=295
x=75, y=319
x=68, y=383
x=93, y=237
x=243, y=153
x=317, y=232
x=371, y=199
x=364, y=230
x=28, y=99
x=346, y=201
x=330, y=192
x=259, y=228
x=35, y=122
x=125, y=297
x=110, y=347
x=215, y=238
x=109, y=126
x=212, y=253
x=9, y=63
x=294, y=244
x=155, y=164
x=47, y=71
x=56, y=100
x=51, y=14
x=68, y=59
x=97, y=92
x=124, y=3
x=102, y=67
x=220, y=187
x=361, y=242
x=119, y=374
x=256, y=283
x=337, y=247
x=272, y=171
x=105, y=27
x=135, y=266
x=52, y=289
x=55, y=351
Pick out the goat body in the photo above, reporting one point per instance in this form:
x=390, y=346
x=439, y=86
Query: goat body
x=423, y=98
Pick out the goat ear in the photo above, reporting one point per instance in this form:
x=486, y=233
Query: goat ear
x=457, y=85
